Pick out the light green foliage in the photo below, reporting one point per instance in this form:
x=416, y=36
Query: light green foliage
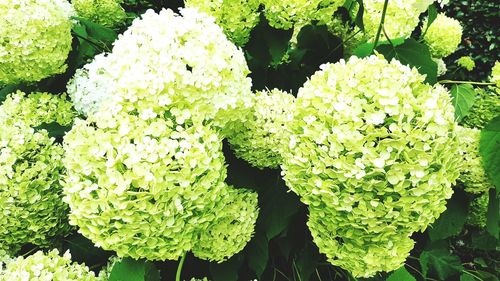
x=108, y=13
x=231, y=227
x=35, y=39
x=105, y=272
x=236, y=17
x=486, y=107
x=443, y=36
x=472, y=173
x=187, y=61
x=30, y=170
x=374, y=154
x=478, y=210
x=286, y=14
x=262, y=136
x=46, y=267
x=400, y=20
x=467, y=63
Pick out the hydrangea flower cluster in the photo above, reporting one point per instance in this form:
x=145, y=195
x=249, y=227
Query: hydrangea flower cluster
x=373, y=152
x=495, y=74
x=144, y=182
x=401, y=17
x=35, y=39
x=187, y=62
x=49, y=266
x=237, y=18
x=231, y=228
x=108, y=13
x=477, y=211
x=286, y=14
x=441, y=66
x=30, y=170
x=472, y=174
x=466, y=62
x=260, y=140
x=443, y=36
x=485, y=108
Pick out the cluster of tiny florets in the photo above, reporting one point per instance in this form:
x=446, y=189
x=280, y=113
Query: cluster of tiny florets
x=486, y=107
x=472, y=174
x=108, y=13
x=46, y=266
x=466, y=62
x=35, y=39
x=30, y=170
x=443, y=36
x=375, y=156
x=478, y=210
x=441, y=66
x=261, y=137
x=187, y=61
x=237, y=18
x=495, y=74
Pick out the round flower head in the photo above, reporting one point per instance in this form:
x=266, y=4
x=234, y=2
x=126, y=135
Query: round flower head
x=467, y=63
x=373, y=144
x=285, y=14
x=140, y=181
x=472, y=174
x=237, y=18
x=443, y=36
x=49, y=266
x=477, y=211
x=35, y=39
x=360, y=253
x=495, y=74
x=260, y=140
x=485, y=108
x=168, y=60
x=108, y=13
x=30, y=170
x=401, y=18
x=232, y=225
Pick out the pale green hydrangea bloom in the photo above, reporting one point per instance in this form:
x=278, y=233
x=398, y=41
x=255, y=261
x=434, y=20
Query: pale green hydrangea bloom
x=495, y=74
x=478, y=210
x=166, y=60
x=46, y=267
x=401, y=18
x=35, y=39
x=375, y=147
x=196, y=279
x=108, y=13
x=441, y=66
x=236, y=17
x=286, y=14
x=262, y=136
x=466, y=62
x=231, y=227
x=485, y=108
x=30, y=170
x=472, y=174
x=443, y=36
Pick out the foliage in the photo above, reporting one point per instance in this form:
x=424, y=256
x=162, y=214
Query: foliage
x=108, y=13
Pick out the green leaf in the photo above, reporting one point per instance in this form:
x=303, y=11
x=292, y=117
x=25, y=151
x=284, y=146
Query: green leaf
x=96, y=31
x=489, y=148
x=401, y=275
x=258, y=254
x=54, y=129
x=432, y=13
x=450, y=222
x=466, y=277
x=366, y=49
x=441, y=263
x=5, y=91
x=463, y=97
x=413, y=54
x=484, y=241
x=493, y=214
x=83, y=250
x=307, y=261
x=228, y=270
x=134, y=270
x=316, y=46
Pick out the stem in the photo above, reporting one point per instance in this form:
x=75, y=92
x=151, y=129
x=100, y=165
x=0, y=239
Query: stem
x=382, y=20
x=179, y=267
x=465, y=82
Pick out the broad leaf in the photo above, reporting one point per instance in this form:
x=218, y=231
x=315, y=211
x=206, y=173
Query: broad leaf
x=83, y=250
x=489, y=148
x=493, y=214
x=441, y=263
x=366, y=49
x=413, y=54
x=258, y=254
x=466, y=277
x=228, y=270
x=97, y=32
x=463, y=97
x=54, y=129
x=431, y=16
x=401, y=275
x=134, y=270
x=452, y=220
x=307, y=261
